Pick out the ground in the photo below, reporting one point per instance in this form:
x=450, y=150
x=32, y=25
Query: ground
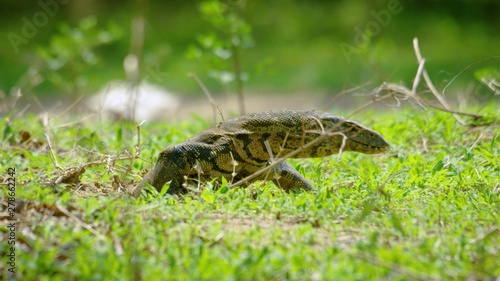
x=425, y=210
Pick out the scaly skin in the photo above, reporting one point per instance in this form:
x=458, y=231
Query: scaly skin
x=237, y=148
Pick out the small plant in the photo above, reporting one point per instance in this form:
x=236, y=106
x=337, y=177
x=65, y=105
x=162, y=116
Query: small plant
x=222, y=50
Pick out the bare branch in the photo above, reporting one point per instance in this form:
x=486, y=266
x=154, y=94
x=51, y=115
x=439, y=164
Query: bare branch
x=429, y=83
x=468, y=151
x=138, y=145
x=53, y=157
x=375, y=100
x=215, y=107
x=466, y=68
x=71, y=106
x=416, y=81
x=344, y=92
x=79, y=221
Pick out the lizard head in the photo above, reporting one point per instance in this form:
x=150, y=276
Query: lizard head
x=358, y=138
x=171, y=166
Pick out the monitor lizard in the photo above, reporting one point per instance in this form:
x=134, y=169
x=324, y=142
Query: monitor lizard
x=238, y=148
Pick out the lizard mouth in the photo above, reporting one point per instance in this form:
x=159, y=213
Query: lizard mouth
x=369, y=148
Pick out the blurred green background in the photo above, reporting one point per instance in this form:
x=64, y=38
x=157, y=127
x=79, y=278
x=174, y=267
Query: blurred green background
x=294, y=46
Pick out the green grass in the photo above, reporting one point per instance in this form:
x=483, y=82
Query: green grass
x=426, y=210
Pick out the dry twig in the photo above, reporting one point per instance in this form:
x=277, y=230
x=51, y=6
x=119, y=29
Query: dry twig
x=216, y=109
x=401, y=93
x=79, y=221
x=429, y=83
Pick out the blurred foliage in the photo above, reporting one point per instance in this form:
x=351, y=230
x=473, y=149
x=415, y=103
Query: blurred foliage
x=71, y=53
x=217, y=49
x=296, y=45
x=222, y=50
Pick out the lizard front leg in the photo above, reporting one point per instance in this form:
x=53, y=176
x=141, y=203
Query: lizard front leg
x=287, y=178
x=186, y=160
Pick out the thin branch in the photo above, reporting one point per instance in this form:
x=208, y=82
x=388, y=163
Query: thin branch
x=374, y=100
x=137, y=152
x=429, y=83
x=468, y=151
x=408, y=94
x=79, y=221
x=457, y=112
x=271, y=158
x=107, y=161
x=71, y=123
x=269, y=150
x=52, y=154
x=234, y=163
x=466, y=68
x=344, y=92
x=138, y=145
x=416, y=81
x=71, y=106
x=211, y=100
x=53, y=157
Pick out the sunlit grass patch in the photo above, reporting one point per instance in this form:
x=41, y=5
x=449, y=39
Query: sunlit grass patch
x=428, y=209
